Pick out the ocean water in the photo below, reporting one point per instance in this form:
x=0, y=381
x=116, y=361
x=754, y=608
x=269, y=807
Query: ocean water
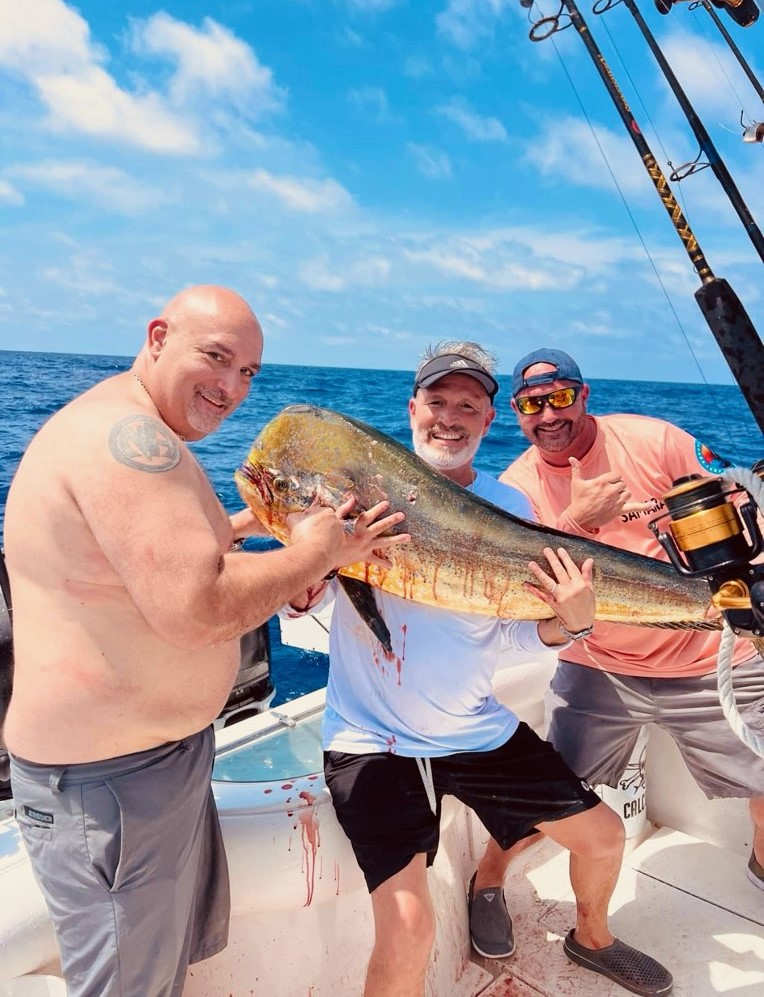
x=35, y=385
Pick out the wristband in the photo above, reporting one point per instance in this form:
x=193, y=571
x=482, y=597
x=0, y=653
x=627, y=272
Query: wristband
x=578, y=635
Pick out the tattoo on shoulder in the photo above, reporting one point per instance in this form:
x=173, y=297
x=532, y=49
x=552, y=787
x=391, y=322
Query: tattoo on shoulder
x=145, y=444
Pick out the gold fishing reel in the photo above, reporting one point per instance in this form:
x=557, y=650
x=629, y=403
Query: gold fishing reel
x=713, y=534
x=705, y=524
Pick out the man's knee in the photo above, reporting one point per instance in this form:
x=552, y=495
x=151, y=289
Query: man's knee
x=404, y=921
x=607, y=835
x=597, y=833
x=757, y=810
x=410, y=926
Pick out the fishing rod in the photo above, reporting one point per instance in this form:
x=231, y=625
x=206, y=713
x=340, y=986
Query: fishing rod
x=730, y=42
x=722, y=309
x=743, y=12
x=715, y=161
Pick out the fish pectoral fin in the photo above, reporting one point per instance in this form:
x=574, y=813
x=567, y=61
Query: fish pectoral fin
x=362, y=597
x=335, y=489
x=340, y=484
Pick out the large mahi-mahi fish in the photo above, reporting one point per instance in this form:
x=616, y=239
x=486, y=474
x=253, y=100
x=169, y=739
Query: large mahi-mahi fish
x=465, y=554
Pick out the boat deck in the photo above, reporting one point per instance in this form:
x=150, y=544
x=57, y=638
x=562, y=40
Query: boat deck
x=301, y=917
x=685, y=902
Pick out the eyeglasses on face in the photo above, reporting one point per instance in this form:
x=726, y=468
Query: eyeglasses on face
x=561, y=398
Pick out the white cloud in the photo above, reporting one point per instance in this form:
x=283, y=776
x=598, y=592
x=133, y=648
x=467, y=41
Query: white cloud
x=84, y=273
x=93, y=104
x=337, y=340
x=48, y=43
x=210, y=60
x=417, y=66
x=399, y=335
x=474, y=125
x=464, y=23
x=9, y=194
x=107, y=186
x=531, y=259
x=430, y=162
x=370, y=272
x=465, y=263
x=45, y=37
x=350, y=39
x=371, y=101
x=371, y=6
x=320, y=276
x=303, y=194
x=708, y=72
x=267, y=280
x=601, y=326
x=591, y=249
x=551, y=152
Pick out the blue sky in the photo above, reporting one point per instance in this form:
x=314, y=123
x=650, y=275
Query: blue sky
x=372, y=175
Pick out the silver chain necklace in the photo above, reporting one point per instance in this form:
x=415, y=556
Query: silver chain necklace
x=139, y=379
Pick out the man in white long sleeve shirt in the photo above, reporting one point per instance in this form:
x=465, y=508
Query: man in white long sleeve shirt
x=402, y=730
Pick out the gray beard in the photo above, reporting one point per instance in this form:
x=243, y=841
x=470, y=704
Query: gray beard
x=443, y=460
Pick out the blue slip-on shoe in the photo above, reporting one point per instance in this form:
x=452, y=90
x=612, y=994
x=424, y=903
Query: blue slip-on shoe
x=490, y=924
x=624, y=965
x=755, y=871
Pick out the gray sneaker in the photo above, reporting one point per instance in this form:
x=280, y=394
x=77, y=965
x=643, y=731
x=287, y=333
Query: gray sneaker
x=619, y=962
x=490, y=924
x=755, y=872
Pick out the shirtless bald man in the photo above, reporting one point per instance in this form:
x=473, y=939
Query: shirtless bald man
x=128, y=606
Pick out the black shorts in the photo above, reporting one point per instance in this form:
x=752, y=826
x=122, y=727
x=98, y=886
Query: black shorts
x=382, y=805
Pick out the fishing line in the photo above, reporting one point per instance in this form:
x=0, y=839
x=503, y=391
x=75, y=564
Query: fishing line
x=642, y=105
x=721, y=414
x=754, y=485
x=704, y=35
x=656, y=133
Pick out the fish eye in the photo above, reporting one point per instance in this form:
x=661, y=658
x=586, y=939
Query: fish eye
x=281, y=484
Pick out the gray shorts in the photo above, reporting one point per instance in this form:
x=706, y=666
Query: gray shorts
x=129, y=855
x=595, y=718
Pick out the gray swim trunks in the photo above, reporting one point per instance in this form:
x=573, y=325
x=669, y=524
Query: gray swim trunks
x=595, y=717
x=129, y=855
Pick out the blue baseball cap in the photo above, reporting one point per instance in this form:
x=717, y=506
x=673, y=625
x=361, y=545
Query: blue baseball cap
x=565, y=369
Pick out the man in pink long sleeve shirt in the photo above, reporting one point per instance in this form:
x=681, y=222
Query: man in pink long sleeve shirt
x=604, y=477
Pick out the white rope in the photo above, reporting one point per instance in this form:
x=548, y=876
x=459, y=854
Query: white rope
x=425, y=770
x=755, y=486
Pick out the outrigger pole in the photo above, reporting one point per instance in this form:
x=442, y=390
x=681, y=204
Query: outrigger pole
x=704, y=139
x=733, y=47
x=722, y=309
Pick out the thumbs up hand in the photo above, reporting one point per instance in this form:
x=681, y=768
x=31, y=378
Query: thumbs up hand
x=594, y=502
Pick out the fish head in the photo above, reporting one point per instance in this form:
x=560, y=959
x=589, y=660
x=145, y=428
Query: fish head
x=274, y=493
x=277, y=479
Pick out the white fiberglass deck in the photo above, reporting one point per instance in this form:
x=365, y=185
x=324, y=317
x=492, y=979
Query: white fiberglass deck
x=301, y=917
x=688, y=903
